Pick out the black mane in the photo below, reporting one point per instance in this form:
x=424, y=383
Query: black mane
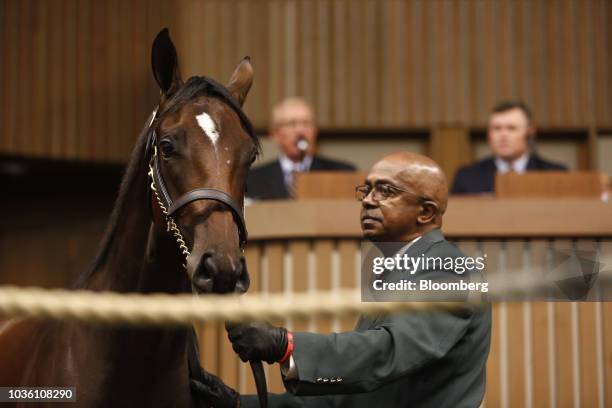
x=137, y=166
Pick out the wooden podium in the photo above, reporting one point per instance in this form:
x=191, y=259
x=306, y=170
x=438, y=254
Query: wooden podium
x=336, y=185
x=548, y=184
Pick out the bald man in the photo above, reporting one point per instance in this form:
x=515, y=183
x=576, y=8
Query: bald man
x=429, y=359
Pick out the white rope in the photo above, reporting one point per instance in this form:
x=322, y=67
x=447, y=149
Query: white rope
x=185, y=309
x=165, y=309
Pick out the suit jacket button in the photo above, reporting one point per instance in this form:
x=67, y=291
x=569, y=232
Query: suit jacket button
x=332, y=380
x=339, y=379
x=326, y=380
x=318, y=380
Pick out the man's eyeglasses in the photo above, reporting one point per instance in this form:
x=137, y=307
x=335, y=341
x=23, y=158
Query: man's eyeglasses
x=383, y=192
x=293, y=123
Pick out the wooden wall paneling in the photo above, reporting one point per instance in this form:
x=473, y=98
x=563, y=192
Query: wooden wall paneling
x=306, y=57
x=525, y=50
x=154, y=25
x=208, y=34
x=354, y=66
x=390, y=56
x=56, y=124
x=554, y=61
x=341, y=55
x=125, y=91
x=275, y=42
x=430, y=55
x=11, y=69
x=588, y=373
x=495, y=364
x=363, y=64
x=493, y=393
x=461, y=50
x=570, y=63
x=601, y=65
x=347, y=250
x=88, y=17
x=116, y=126
x=259, y=97
x=606, y=328
x=24, y=77
x=324, y=65
x=607, y=350
x=515, y=341
x=253, y=261
x=140, y=71
x=69, y=57
x=564, y=351
x=372, y=69
x=323, y=250
x=39, y=106
x=540, y=334
x=275, y=251
x=290, y=47
x=450, y=147
x=585, y=86
x=228, y=53
x=4, y=27
x=298, y=250
x=101, y=86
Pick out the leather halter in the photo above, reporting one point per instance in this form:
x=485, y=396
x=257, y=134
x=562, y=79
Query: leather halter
x=170, y=207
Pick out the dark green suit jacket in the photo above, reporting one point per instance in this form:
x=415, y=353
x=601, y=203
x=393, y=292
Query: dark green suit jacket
x=431, y=359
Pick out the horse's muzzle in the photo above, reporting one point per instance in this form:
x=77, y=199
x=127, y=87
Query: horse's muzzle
x=214, y=276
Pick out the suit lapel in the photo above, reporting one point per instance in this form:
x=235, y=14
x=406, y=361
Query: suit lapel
x=415, y=250
x=279, y=187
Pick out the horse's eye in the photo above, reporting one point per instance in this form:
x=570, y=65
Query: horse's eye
x=166, y=147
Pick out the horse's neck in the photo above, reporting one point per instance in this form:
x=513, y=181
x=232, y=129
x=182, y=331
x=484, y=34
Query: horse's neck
x=137, y=256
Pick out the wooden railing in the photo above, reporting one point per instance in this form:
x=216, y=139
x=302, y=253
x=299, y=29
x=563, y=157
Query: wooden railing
x=542, y=353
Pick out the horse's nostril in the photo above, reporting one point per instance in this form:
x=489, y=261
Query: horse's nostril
x=204, y=277
x=244, y=281
x=203, y=285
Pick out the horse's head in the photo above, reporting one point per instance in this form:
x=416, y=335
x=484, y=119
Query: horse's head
x=201, y=147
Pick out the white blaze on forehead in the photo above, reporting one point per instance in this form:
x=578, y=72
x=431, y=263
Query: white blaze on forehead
x=208, y=126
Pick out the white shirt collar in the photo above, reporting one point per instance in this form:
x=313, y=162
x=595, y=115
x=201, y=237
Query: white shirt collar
x=289, y=167
x=408, y=245
x=519, y=165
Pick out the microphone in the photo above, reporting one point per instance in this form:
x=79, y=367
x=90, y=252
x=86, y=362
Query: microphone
x=302, y=145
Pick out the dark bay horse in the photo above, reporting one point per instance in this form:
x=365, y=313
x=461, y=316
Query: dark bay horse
x=177, y=226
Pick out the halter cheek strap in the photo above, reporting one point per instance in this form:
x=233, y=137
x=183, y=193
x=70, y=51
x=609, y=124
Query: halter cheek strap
x=169, y=207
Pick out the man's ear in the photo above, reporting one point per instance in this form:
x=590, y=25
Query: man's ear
x=429, y=211
x=164, y=62
x=241, y=80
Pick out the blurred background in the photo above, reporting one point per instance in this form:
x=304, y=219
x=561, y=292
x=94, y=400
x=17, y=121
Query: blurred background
x=381, y=76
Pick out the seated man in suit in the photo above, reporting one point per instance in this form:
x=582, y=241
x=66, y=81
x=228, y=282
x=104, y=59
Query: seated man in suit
x=510, y=133
x=294, y=129
x=434, y=358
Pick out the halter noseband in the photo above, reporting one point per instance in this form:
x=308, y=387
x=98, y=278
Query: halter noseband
x=169, y=206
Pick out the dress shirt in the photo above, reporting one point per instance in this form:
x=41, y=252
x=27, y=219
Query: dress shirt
x=290, y=167
x=518, y=166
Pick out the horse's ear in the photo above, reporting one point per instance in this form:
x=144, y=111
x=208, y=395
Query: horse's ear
x=241, y=80
x=165, y=63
